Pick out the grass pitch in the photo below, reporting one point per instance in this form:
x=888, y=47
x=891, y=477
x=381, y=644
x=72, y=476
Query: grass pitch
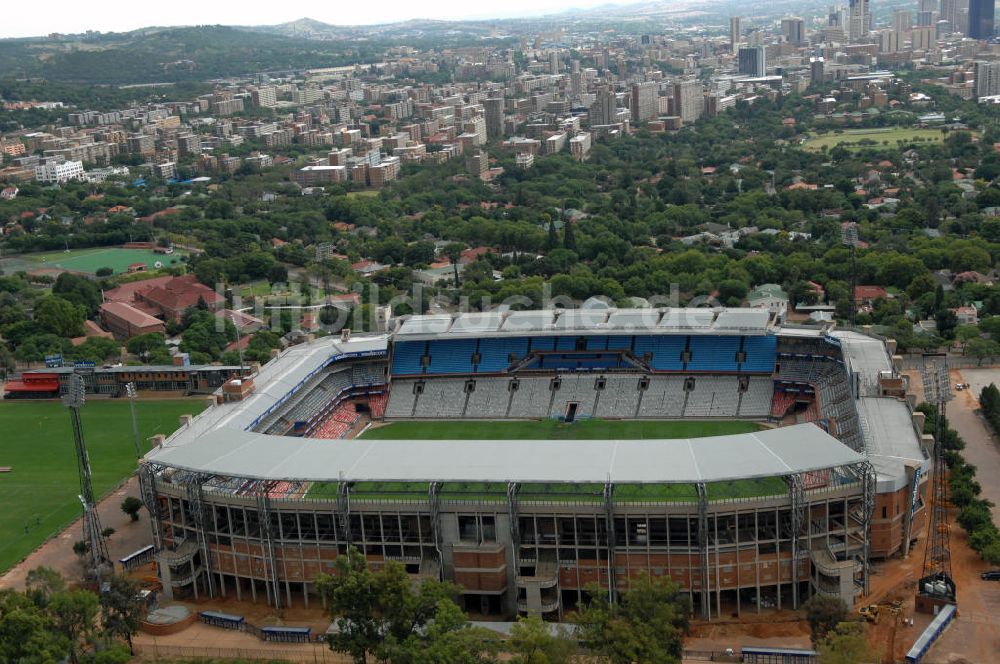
x=91, y=260
x=557, y=492
x=36, y=440
x=854, y=139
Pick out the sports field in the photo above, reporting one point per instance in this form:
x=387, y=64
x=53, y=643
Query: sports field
x=559, y=492
x=89, y=261
x=36, y=441
x=854, y=139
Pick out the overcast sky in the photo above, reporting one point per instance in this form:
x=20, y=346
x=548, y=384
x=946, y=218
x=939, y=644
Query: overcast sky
x=71, y=16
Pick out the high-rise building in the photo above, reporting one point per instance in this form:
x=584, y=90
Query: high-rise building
x=793, y=29
x=816, y=70
x=902, y=21
x=751, y=61
x=987, y=79
x=689, y=100
x=981, y=13
x=553, y=62
x=956, y=13
x=643, y=102
x=859, y=19
x=925, y=19
x=837, y=17
x=734, y=32
x=888, y=41
x=604, y=109
x=926, y=5
x=266, y=97
x=494, y=117
x=923, y=38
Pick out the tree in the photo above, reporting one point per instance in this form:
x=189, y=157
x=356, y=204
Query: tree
x=823, y=613
x=42, y=583
x=26, y=632
x=73, y=614
x=646, y=625
x=845, y=644
x=531, y=642
x=122, y=610
x=448, y=639
x=374, y=610
x=131, y=506
x=453, y=250
x=569, y=239
x=60, y=317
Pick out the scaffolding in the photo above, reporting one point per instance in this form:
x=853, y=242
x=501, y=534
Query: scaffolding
x=706, y=600
x=796, y=495
x=194, y=495
x=267, y=544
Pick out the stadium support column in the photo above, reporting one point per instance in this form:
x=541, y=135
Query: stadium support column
x=797, y=497
x=201, y=524
x=434, y=500
x=609, y=517
x=514, y=556
x=147, y=489
x=267, y=544
x=868, y=479
x=706, y=591
x=344, y=512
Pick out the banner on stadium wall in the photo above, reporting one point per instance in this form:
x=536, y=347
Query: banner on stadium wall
x=915, y=491
x=833, y=341
x=53, y=361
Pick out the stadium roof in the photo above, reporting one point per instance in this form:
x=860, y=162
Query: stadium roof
x=586, y=321
x=230, y=451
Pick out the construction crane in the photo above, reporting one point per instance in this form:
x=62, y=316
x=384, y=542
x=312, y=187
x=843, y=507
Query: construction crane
x=98, y=563
x=936, y=586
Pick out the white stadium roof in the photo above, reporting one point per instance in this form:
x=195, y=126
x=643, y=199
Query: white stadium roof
x=233, y=452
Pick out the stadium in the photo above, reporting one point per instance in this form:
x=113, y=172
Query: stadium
x=343, y=441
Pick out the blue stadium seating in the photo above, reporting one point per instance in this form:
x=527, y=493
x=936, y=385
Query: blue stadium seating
x=494, y=354
x=565, y=343
x=597, y=343
x=666, y=351
x=760, y=353
x=713, y=353
x=406, y=357
x=619, y=343
x=452, y=356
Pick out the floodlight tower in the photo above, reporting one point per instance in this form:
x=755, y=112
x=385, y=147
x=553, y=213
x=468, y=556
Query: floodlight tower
x=131, y=393
x=849, y=236
x=936, y=585
x=97, y=549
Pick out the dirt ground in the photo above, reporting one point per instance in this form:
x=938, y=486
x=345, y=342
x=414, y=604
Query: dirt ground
x=57, y=552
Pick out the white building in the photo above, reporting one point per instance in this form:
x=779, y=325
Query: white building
x=53, y=171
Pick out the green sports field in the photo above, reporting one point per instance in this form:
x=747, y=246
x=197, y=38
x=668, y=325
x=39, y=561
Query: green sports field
x=853, y=139
x=553, y=430
x=90, y=261
x=36, y=441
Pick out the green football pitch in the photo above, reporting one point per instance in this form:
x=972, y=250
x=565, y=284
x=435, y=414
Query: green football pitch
x=91, y=260
x=36, y=442
x=553, y=430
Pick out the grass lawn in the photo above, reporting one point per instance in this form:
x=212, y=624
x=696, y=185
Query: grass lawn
x=367, y=193
x=559, y=492
x=852, y=138
x=91, y=260
x=37, y=442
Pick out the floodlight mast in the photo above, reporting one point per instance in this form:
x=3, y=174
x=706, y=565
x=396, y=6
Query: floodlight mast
x=97, y=549
x=131, y=393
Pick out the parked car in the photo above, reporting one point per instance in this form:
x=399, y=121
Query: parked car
x=992, y=575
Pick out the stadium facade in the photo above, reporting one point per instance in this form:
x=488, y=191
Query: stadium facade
x=259, y=494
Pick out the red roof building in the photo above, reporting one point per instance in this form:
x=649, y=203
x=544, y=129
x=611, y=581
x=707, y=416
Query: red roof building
x=870, y=293
x=178, y=294
x=125, y=321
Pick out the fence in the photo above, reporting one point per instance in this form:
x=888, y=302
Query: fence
x=313, y=653
x=954, y=362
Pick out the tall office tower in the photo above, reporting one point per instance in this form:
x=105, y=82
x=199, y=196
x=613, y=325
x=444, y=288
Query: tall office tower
x=927, y=18
x=752, y=61
x=955, y=12
x=604, y=110
x=735, y=31
x=859, y=19
x=923, y=38
x=816, y=70
x=902, y=21
x=689, y=100
x=987, y=79
x=837, y=18
x=494, y=117
x=888, y=41
x=644, y=101
x=981, y=19
x=576, y=83
x=553, y=62
x=793, y=29
x=926, y=6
